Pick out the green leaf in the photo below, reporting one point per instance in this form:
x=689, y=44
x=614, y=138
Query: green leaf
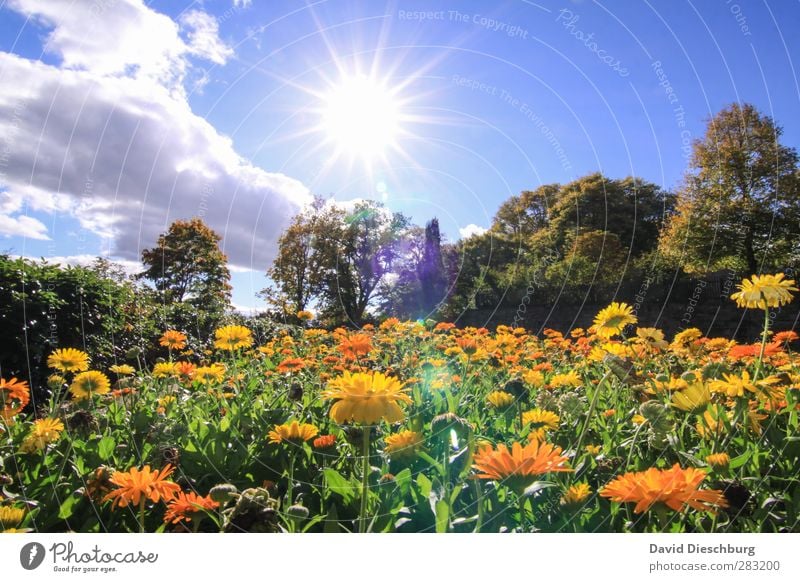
x=68, y=507
x=737, y=462
x=424, y=484
x=336, y=483
x=442, y=516
x=105, y=448
x=403, y=481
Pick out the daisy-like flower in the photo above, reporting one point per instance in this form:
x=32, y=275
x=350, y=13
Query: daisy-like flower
x=10, y=517
x=173, y=340
x=213, y=374
x=651, y=337
x=135, y=486
x=366, y=398
x=676, y=488
x=122, y=369
x=68, y=360
x=233, y=337
x=500, y=399
x=43, y=432
x=326, y=441
x=304, y=315
x=693, y=397
x=403, y=445
x=534, y=378
x=87, y=384
x=576, y=494
x=185, y=370
x=358, y=344
x=763, y=291
x=188, y=506
x=613, y=319
x=468, y=344
x=14, y=396
x=686, y=337
x=295, y=432
x=718, y=460
x=291, y=365
x=521, y=466
x=733, y=385
x=570, y=379
x=163, y=370
x=541, y=422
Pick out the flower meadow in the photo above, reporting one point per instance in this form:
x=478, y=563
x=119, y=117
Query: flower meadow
x=416, y=427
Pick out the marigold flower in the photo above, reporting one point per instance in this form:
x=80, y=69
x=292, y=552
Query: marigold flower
x=733, y=385
x=43, y=432
x=366, y=398
x=576, y=494
x=687, y=336
x=304, y=315
x=467, y=344
x=692, y=398
x=500, y=399
x=213, y=374
x=403, y=445
x=593, y=449
x=173, y=340
x=534, y=378
x=521, y=466
x=135, y=486
x=570, y=378
x=358, y=344
x=325, y=441
x=718, y=460
x=613, y=319
x=14, y=396
x=163, y=370
x=651, y=337
x=763, y=291
x=233, y=337
x=68, y=360
x=676, y=488
x=291, y=365
x=122, y=370
x=783, y=337
x=541, y=421
x=188, y=506
x=185, y=370
x=10, y=517
x=87, y=384
x=293, y=432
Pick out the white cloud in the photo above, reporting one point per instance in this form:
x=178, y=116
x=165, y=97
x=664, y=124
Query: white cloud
x=26, y=226
x=130, y=267
x=471, y=230
x=242, y=3
x=107, y=138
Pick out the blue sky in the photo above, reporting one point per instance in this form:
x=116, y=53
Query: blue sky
x=118, y=117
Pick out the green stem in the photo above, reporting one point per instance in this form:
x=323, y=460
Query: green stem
x=290, y=485
x=522, y=520
x=141, y=515
x=763, y=342
x=592, y=408
x=479, y=501
x=362, y=521
x=633, y=446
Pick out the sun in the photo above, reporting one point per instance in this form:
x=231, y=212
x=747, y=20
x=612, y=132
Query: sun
x=361, y=116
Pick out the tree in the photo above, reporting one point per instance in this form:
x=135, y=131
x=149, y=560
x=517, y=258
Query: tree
x=431, y=269
x=739, y=206
x=191, y=274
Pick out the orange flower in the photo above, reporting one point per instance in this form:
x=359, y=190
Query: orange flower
x=752, y=351
x=467, y=344
x=291, y=365
x=294, y=432
x=173, y=340
x=521, y=466
x=14, y=396
x=185, y=370
x=785, y=337
x=358, y=344
x=325, y=441
x=188, y=506
x=675, y=487
x=134, y=486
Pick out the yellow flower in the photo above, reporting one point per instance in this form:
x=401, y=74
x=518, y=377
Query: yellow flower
x=733, y=385
x=43, y=432
x=533, y=377
x=718, y=460
x=576, y=494
x=652, y=337
x=686, y=337
x=164, y=370
x=500, y=399
x=676, y=488
x=122, y=370
x=541, y=421
x=213, y=374
x=762, y=291
x=692, y=398
x=403, y=445
x=712, y=423
x=613, y=319
x=233, y=337
x=305, y=315
x=10, y=517
x=593, y=449
x=571, y=378
x=68, y=360
x=293, y=432
x=366, y=398
x=87, y=384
